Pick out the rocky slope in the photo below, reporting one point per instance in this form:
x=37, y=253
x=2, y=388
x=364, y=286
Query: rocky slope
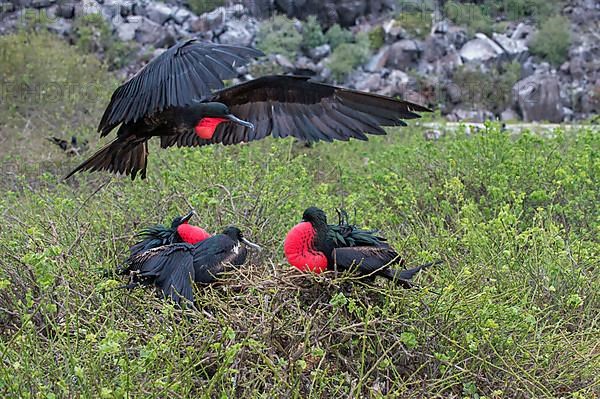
x=468, y=75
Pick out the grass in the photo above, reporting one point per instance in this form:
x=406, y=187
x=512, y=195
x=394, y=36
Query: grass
x=512, y=313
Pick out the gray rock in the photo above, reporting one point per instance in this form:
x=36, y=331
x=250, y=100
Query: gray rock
x=537, y=98
x=370, y=82
x=42, y=3
x=432, y=134
x=480, y=115
x=403, y=54
x=181, y=15
x=509, y=114
x=60, y=26
x=307, y=64
x=378, y=61
x=480, y=49
x=126, y=31
x=239, y=32
x=393, y=31
x=149, y=32
x=319, y=52
x=395, y=84
x=65, y=10
x=209, y=21
x=511, y=46
x=283, y=61
x=158, y=12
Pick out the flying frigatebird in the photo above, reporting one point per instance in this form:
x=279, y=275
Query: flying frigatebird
x=172, y=97
x=175, y=267
x=313, y=245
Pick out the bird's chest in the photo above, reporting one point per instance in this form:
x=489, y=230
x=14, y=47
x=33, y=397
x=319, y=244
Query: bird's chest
x=301, y=252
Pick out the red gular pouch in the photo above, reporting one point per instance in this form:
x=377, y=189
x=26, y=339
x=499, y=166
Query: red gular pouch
x=300, y=252
x=192, y=234
x=205, y=128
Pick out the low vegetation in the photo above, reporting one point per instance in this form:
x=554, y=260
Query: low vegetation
x=201, y=6
x=279, y=36
x=552, y=41
x=513, y=312
x=491, y=90
x=348, y=56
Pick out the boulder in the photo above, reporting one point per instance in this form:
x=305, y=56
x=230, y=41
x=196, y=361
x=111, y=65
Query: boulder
x=65, y=10
x=480, y=49
x=509, y=114
x=404, y=54
x=319, y=52
x=208, y=21
x=126, y=31
x=378, y=61
x=537, y=98
x=181, y=15
x=240, y=32
x=158, y=12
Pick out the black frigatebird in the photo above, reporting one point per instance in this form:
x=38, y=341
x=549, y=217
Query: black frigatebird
x=159, y=234
x=313, y=245
x=172, y=97
x=173, y=268
x=74, y=147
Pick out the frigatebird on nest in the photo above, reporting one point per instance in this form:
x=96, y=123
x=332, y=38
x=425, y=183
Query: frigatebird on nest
x=173, y=268
x=173, y=97
x=313, y=245
x=159, y=234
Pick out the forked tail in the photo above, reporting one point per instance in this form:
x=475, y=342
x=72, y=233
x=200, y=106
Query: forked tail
x=124, y=155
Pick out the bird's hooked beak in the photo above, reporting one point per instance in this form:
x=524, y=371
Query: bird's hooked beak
x=239, y=121
x=251, y=244
x=187, y=217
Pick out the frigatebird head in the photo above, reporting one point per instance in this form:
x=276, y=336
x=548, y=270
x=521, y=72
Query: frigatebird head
x=314, y=215
x=236, y=234
x=179, y=220
x=220, y=110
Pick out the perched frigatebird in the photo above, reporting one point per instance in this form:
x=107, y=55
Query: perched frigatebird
x=172, y=98
x=70, y=148
x=159, y=234
x=313, y=245
x=173, y=268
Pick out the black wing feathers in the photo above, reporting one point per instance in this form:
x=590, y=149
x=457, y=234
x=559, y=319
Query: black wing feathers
x=186, y=72
x=284, y=106
x=170, y=267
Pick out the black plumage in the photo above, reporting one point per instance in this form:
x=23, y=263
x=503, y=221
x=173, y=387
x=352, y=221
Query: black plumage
x=365, y=252
x=171, y=95
x=174, y=268
x=159, y=235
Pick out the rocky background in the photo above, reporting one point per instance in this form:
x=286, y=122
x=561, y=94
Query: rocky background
x=476, y=60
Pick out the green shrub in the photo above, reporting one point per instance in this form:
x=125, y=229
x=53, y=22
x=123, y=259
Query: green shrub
x=515, y=10
x=473, y=16
x=376, y=38
x=202, y=6
x=337, y=35
x=416, y=23
x=312, y=33
x=347, y=56
x=94, y=35
x=279, y=36
x=491, y=90
x=552, y=41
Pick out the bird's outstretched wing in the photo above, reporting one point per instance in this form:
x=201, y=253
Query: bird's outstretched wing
x=283, y=106
x=186, y=72
x=169, y=267
x=214, y=254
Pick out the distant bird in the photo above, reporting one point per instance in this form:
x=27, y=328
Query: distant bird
x=172, y=98
x=313, y=245
x=70, y=148
x=175, y=267
x=159, y=234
